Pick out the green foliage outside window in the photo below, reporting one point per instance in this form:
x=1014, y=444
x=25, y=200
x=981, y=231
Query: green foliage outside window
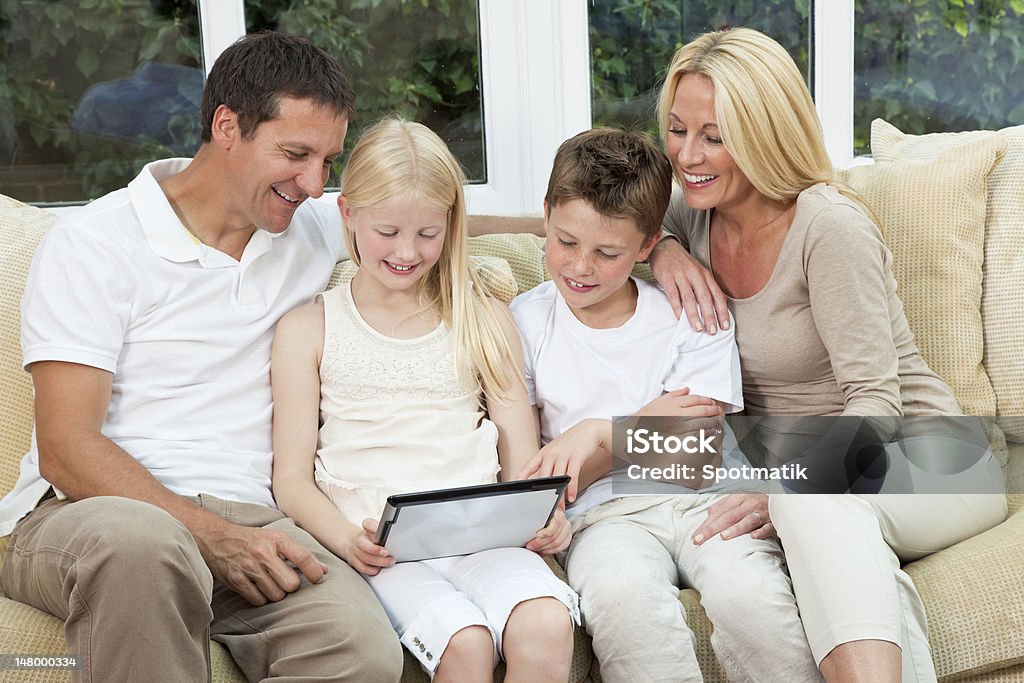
x=632, y=43
x=51, y=52
x=924, y=65
x=415, y=58
x=928, y=66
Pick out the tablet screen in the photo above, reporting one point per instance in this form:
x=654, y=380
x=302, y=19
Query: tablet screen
x=469, y=519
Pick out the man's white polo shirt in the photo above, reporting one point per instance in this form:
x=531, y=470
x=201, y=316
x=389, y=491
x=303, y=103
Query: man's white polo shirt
x=186, y=331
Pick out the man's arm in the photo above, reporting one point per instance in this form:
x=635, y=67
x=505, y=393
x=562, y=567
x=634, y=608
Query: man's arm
x=71, y=403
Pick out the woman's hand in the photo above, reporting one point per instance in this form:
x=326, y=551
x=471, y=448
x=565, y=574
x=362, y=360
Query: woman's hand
x=689, y=287
x=737, y=514
x=554, y=538
x=363, y=554
x=570, y=452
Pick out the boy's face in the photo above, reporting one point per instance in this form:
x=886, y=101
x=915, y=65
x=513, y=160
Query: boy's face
x=590, y=257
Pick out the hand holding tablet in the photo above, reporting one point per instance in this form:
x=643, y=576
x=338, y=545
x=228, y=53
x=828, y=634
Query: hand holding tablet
x=467, y=519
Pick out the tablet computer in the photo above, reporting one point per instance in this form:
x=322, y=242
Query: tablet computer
x=467, y=519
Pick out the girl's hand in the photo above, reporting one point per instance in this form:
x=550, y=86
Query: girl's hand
x=569, y=452
x=737, y=514
x=363, y=555
x=680, y=403
x=554, y=538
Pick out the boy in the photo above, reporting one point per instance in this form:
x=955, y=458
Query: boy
x=599, y=343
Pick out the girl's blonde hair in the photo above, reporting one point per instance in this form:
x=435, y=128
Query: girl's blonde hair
x=765, y=113
x=406, y=159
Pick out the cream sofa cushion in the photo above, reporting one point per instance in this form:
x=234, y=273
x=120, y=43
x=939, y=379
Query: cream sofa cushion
x=1003, y=277
x=932, y=216
x=21, y=228
x=523, y=252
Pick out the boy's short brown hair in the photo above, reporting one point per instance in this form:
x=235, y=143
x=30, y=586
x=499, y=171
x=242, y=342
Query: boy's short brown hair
x=619, y=174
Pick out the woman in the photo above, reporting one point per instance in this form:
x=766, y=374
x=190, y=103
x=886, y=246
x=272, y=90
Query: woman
x=763, y=216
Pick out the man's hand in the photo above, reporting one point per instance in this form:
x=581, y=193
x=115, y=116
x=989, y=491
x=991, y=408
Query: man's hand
x=586, y=440
x=689, y=287
x=258, y=564
x=737, y=514
x=554, y=538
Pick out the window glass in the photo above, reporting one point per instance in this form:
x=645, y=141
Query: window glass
x=927, y=67
x=90, y=90
x=631, y=45
x=420, y=60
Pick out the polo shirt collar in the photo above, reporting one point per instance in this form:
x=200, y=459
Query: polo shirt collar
x=167, y=235
x=164, y=231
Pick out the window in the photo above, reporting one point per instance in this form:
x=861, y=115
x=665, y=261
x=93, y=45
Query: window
x=930, y=67
x=418, y=60
x=89, y=91
x=503, y=81
x=630, y=47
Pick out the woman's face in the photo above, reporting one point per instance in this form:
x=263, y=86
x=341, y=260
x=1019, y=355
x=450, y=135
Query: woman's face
x=707, y=172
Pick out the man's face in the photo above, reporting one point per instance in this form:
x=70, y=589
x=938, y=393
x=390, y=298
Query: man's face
x=285, y=162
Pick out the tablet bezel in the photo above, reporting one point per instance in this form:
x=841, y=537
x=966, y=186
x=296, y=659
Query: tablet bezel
x=395, y=503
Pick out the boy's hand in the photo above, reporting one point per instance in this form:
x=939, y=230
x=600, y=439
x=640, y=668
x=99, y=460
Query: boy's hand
x=569, y=452
x=554, y=538
x=680, y=403
x=363, y=554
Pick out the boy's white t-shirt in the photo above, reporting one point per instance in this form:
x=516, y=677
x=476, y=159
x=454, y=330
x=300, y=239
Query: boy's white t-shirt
x=575, y=372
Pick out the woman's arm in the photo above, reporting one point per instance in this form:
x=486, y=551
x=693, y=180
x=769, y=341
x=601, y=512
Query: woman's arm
x=849, y=273
x=295, y=380
x=689, y=286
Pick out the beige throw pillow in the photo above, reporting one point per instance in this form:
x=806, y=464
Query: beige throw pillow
x=1003, y=275
x=932, y=215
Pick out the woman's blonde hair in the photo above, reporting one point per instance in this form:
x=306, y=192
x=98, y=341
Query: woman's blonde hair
x=406, y=159
x=765, y=113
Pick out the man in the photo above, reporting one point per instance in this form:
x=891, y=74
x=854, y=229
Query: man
x=147, y=325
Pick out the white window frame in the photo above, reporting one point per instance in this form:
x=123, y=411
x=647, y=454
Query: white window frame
x=832, y=50
x=535, y=71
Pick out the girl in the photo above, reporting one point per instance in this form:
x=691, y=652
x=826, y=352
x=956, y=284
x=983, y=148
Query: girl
x=398, y=364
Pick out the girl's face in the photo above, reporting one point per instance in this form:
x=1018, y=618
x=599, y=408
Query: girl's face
x=399, y=238
x=708, y=173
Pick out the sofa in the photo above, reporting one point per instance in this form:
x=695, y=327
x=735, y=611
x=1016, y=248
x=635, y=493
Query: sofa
x=951, y=207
